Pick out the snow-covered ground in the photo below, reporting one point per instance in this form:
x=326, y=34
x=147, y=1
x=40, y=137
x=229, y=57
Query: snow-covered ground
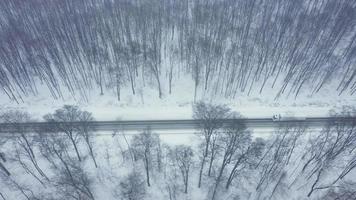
x=178, y=105
x=110, y=148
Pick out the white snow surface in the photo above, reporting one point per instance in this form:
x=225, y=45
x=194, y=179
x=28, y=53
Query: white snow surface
x=145, y=104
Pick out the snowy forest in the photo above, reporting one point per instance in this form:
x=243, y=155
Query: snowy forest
x=223, y=46
x=66, y=65
x=75, y=162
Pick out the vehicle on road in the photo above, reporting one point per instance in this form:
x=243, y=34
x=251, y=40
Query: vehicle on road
x=279, y=117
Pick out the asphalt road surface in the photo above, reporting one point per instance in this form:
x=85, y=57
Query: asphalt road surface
x=312, y=122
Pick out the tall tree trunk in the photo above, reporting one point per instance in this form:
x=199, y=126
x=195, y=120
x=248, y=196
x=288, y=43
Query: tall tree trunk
x=117, y=87
x=231, y=176
x=2, y=196
x=211, y=158
x=2, y=167
x=201, y=171
x=218, y=179
x=147, y=171
x=170, y=79
x=76, y=149
x=101, y=82
x=93, y=157
x=186, y=184
x=65, y=164
x=32, y=157
x=159, y=88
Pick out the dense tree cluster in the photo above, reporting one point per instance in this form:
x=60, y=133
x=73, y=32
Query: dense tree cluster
x=68, y=162
x=226, y=46
x=288, y=160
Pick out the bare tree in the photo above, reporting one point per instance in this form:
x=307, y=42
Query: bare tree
x=3, y=168
x=231, y=140
x=281, y=148
x=183, y=156
x=210, y=119
x=3, y=158
x=144, y=144
x=63, y=120
x=335, y=142
x=73, y=182
x=132, y=187
x=213, y=152
x=86, y=130
x=14, y=185
x=246, y=157
x=24, y=145
x=343, y=192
